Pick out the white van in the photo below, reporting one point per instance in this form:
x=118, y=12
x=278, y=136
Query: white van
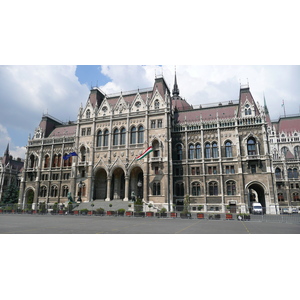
x=257, y=208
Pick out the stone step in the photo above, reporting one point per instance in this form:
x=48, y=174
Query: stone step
x=115, y=205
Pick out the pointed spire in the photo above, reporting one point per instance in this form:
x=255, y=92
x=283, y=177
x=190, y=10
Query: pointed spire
x=6, y=155
x=175, y=88
x=7, y=150
x=265, y=106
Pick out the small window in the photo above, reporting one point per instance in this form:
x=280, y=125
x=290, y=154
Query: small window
x=159, y=124
x=156, y=104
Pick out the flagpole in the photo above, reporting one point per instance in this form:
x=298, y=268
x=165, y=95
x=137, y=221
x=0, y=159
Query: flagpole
x=283, y=108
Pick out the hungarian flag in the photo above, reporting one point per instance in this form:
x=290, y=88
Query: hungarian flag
x=146, y=152
x=69, y=155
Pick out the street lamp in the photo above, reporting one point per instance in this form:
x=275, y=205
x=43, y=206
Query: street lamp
x=79, y=190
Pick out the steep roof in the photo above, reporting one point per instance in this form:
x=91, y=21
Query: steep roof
x=206, y=114
x=245, y=95
x=287, y=124
x=68, y=130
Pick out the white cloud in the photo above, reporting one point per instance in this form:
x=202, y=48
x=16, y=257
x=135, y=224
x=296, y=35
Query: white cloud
x=209, y=84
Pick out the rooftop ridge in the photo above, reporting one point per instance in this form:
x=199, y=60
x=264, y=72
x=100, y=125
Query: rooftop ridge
x=132, y=92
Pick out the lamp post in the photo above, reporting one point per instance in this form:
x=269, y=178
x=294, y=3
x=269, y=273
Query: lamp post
x=79, y=190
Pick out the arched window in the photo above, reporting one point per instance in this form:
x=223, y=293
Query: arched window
x=198, y=153
x=290, y=173
x=195, y=189
x=213, y=188
x=31, y=163
x=88, y=114
x=156, y=104
x=83, y=153
x=99, y=138
x=247, y=110
x=53, y=192
x=231, y=188
x=54, y=160
x=123, y=136
x=191, y=151
x=215, y=153
x=207, y=150
x=47, y=161
x=105, y=138
x=140, y=134
x=179, y=189
x=280, y=197
x=179, y=152
x=228, y=149
x=284, y=151
x=65, y=191
x=43, y=191
x=59, y=160
x=278, y=173
x=133, y=136
x=156, y=148
x=295, y=173
x=251, y=146
x=297, y=152
x=116, y=137
x=296, y=197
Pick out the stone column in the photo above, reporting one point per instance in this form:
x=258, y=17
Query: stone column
x=108, y=188
x=126, y=188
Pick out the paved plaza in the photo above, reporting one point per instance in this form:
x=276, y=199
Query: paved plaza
x=69, y=224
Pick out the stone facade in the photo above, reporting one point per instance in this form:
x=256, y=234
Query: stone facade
x=216, y=156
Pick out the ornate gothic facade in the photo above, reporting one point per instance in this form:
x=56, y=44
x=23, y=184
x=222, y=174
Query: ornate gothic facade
x=223, y=156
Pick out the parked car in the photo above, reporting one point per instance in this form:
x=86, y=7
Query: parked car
x=285, y=210
x=295, y=210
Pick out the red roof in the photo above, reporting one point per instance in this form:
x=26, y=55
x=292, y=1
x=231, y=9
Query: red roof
x=63, y=131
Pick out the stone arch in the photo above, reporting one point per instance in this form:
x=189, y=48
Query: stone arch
x=136, y=182
x=100, y=184
x=256, y=192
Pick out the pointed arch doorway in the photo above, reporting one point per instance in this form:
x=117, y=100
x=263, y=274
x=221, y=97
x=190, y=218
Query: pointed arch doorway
x=256, y=193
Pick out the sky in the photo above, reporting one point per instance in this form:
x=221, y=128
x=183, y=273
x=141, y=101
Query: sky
x=29, y=91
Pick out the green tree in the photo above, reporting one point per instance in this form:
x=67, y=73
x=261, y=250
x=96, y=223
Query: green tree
x=11, y=194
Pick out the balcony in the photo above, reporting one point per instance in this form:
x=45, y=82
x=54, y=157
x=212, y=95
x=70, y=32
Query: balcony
x=156, y=159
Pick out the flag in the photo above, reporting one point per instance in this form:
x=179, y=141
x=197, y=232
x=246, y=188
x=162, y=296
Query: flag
x=145, y=153
x=69, y=155
x=282, y=105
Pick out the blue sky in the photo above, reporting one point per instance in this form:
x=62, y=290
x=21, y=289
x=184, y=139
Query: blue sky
x=26, y=92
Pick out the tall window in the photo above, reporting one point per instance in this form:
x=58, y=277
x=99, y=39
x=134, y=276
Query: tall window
x=207, y=150
x=58, y=160
x=156, y=188
x=54, y=160
x=43, y=191
x=297, y=152
x=231, y=188
x=247, y=110
x=88, y=114
x=47, y=161
x=284, y=151
x=53, y=192
x=228, y=149
x=213, y=188
x=196, y=189
x=133, y=136
x=295, y=173
x=123, y=136
x=191, y=151
x=198, y=151
x=140, y=134
x=99, y=138
x=83, y=153
x=179, y=189
x=280, y=197
x=290, y=173
x=296, y=197
x=179, y=152
x=31, y=165
x=65, y=191
x=156, y=104
x=116, y=137
x=215, y=153
x=251, y=146
x=278, y=173
x=105, y=138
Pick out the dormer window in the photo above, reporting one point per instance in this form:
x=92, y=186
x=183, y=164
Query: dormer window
x=138, y=104
x=104, y=108
x=247, y=110
x=156, y=104
x=88, y=114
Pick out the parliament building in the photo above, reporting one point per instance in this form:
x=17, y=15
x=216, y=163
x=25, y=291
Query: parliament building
x=218, y=156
